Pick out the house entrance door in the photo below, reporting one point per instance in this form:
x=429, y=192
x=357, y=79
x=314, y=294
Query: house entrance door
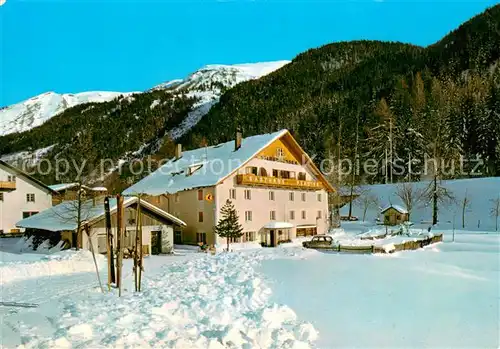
x=272, y=234
x=155, y=242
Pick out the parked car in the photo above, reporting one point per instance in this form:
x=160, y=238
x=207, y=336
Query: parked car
x=319, y=241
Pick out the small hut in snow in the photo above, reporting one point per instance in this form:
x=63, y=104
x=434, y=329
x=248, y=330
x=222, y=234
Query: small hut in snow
x=394, y=215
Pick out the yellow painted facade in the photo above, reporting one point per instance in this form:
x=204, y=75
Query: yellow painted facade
x=279, y=151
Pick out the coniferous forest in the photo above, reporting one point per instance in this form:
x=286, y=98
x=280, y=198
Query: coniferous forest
x=354, y=100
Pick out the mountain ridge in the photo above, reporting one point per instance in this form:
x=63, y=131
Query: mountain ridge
x=33, y=112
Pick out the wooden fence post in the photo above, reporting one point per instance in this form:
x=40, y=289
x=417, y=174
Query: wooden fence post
x=140, y=260
x=119, y=243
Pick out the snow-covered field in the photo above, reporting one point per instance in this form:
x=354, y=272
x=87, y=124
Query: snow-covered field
x=480, y=192
x=444, y=296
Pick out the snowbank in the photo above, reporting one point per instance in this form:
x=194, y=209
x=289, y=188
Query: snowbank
x=210, y=302
x=20, y=267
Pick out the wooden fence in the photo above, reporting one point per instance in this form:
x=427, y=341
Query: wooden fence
x=404, y=246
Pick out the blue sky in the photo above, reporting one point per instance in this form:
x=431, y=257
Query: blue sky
x=75, y=46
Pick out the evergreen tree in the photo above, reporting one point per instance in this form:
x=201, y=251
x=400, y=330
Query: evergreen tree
x=228, y=226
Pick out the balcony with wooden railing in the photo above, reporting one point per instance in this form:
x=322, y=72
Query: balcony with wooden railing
x=7, y=185
x=275, y=182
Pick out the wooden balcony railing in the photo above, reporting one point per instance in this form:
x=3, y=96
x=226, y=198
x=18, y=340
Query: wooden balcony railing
x=5, y=185
x=253, y=180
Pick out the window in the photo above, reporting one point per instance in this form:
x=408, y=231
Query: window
x=251, y=170
x=272, y=215
x=319, y=215
x=248, y=216
x=29, y=214
x=303, y=196
x=285, y=174
x=280, y=153
x=276, y=173
x=319, y=197
x=262, y=172
x=249, y=236
x=1, y=196
x=248, y=195
x=232, y=194
x=201, y=237
x=292, y=215
x=200, y=194
x=30, y=197
x=11, y=178
x=200, y=217
x=291, y=196
x=303, y=214
x=234, y=240
x=302, y=176
x=177, y=198
x=271, y=195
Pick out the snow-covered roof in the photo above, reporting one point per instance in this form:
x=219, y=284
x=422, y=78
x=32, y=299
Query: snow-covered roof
x=65, y=186
x=396, y=207
x=99, y=189
x=62, y=186
x=278, y=225
x=217, y=163
x=62, y=217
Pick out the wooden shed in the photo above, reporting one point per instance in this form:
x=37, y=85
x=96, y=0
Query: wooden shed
x=394, y=215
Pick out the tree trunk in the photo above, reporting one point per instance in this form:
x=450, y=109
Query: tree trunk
x=435, y=202
x=227, y=240
x=350, y=200
x=78, y=217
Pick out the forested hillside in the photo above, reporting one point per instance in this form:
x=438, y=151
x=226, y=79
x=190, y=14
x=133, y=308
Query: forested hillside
x=360, y=99
x=442, y=100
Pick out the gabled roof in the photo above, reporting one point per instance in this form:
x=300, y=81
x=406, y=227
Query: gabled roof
x=211, y=165
x=27, y=177
x=396, y=207
x=62, y=217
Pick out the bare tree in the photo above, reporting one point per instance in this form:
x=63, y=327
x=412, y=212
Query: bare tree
x=410, y=195
x=79, y=211
x=366, y=201
x=495, y=210
x=465, y=206
x=436, y=193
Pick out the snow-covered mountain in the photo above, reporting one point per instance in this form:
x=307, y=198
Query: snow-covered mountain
x=226, y=75
x=207, y=83
x=36, y=110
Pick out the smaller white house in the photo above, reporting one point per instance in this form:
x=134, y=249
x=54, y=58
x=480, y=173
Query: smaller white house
x=158, y=226
x=21, y=196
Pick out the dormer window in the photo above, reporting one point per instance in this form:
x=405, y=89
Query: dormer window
x=193, y=168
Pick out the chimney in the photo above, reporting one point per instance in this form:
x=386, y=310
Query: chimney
x=237, y=140
x=178, y=151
